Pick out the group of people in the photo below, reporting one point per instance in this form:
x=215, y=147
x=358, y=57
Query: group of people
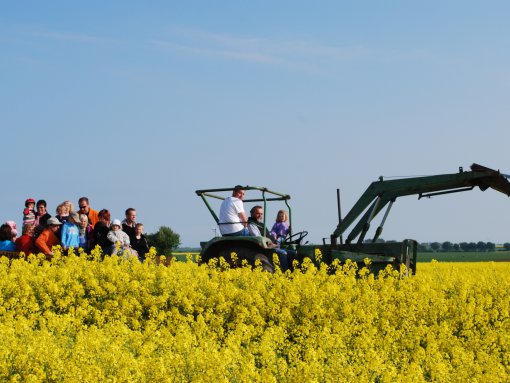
x=233, y=222
x=84, y=229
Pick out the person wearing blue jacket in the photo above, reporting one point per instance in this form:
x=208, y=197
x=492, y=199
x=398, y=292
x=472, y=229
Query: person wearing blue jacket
x=6, y=243
x=70, y=234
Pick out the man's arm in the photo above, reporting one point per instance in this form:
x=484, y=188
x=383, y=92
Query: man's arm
x=242, y=218
x=40, y=243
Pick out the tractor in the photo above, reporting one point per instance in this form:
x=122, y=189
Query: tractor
x=250, y=249
x=379, y=195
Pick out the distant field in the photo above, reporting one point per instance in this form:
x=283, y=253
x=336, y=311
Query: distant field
x=497, y=256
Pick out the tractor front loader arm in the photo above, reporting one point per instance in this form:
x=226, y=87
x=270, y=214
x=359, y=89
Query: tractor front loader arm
x=383, y=192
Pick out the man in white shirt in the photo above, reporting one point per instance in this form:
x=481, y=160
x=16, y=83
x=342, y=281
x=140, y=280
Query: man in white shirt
x=232, y=216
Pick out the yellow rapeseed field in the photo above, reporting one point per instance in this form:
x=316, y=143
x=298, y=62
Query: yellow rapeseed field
x=118, y=320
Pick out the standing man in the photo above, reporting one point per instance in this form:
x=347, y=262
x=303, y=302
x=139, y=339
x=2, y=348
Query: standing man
x=92, y=215
x=255, y=224
x=232, y=218
x=129, y=223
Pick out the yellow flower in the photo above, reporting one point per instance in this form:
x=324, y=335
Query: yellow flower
x=76, y=318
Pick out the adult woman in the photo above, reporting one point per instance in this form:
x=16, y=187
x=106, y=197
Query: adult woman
x=41, y=215
x=101, y=229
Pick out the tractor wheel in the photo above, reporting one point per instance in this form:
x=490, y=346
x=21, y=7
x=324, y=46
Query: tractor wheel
x=243, y=253
x=265, y=263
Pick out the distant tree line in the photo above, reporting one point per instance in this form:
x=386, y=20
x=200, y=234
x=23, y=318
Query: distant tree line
x=448, y=246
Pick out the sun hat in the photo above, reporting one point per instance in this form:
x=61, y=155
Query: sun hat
x=53, y=221
x=74, y=216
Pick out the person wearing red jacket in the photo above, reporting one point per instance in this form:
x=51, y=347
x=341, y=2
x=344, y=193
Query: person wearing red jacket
x=25, y=243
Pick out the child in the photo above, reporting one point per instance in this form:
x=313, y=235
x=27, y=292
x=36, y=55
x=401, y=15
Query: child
x=118, y=238
x=281, y=227
x=139, y=242
x=62, y=213
x=29, y=212
x=70, y=232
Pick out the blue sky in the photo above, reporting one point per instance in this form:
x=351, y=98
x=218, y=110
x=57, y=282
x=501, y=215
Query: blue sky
x=139, y=104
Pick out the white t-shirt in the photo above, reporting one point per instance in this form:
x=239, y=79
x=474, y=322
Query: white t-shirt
x=229, y=215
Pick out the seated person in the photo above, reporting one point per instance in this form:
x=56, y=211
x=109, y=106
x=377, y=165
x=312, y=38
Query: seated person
x=232, y=219
x=281, y=228
x=255, y=223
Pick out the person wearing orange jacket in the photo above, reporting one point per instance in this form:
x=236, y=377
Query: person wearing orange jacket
x=92, y=215
x=48, y=238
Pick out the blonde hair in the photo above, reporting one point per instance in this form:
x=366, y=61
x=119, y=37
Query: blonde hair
x=83, y=220
x=60, y=209
x=83, y=216
x=285, y=216
x=69, y=205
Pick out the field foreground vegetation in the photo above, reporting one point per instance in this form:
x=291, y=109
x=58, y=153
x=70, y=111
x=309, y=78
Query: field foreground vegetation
x=79, y=320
